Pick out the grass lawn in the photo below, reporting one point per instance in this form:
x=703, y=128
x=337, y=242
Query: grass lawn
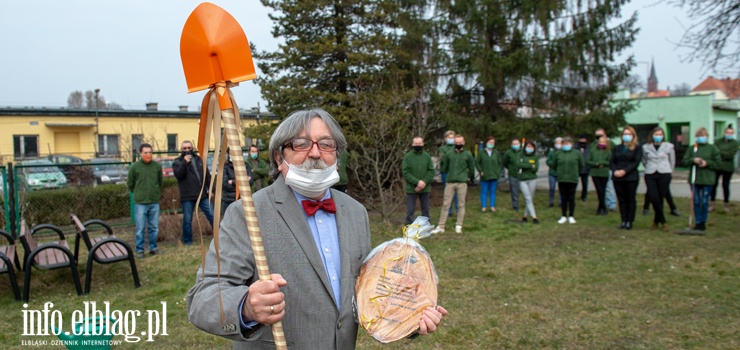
x=506, y=286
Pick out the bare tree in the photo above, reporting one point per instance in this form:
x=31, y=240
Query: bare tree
x=633, y=83
x=75, y=100
x=714, y=34
x=90, y=100
x=682, y=89
x=114, y=106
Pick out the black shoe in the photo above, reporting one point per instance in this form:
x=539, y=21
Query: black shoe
x=628, y=225
x=623, y=225
x=700, y=226
x=154, y=252
x=583, y=199
x=524, y=219
x=535, y=221
x=674, y=212
x=646, y=212
x=550, y=205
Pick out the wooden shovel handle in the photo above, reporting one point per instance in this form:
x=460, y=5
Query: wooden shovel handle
x=250, y=213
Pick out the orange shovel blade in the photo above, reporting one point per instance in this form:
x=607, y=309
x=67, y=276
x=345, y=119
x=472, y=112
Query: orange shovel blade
x=214, y=48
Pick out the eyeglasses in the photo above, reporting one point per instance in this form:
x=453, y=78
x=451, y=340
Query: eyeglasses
x=303, y=145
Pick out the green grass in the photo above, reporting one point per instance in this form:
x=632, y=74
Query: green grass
x=506, y=286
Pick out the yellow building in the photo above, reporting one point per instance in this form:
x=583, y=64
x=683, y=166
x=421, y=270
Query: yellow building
x=37, y=132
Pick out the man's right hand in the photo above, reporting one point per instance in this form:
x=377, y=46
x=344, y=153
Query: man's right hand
x=188, y=158
x=265, y=302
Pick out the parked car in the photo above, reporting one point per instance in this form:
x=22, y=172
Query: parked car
x=41, y=177
x=166, y=166
x=108, y=173
x=74, y=169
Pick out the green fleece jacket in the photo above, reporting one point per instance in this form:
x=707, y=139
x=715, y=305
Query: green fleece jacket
x=599, y=161
x=550, y=160
x=444, y=150
x=260, y=173
x=568, y=164
x=145, y=181
x=490, y=166
x=459, y=166
x=528, y=166
x=342, y=168
x=417, y=166
x=710, y=154
x=727, y=152
x=511, y=162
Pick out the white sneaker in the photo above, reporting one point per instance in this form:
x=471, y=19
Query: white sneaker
x=571, y=220
x=438, y=230
x=562, y=220
x=458, y=229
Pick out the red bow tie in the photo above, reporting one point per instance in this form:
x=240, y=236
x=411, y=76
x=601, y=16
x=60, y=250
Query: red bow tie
x=311, y=207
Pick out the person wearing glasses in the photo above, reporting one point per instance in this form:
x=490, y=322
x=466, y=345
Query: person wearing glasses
x=190, y=173
x=315, y=239
x=145, y=182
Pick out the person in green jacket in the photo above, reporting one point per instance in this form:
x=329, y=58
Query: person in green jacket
x=342, y=170
x=418, y=172
x=568, y=164
x=145, y=181
x=552, y=175
x=489, y=165
x=703, y=158
x=260, y=169
x=528, y=166
x=447, y=148
x=599, y=159
x=460, y=168
x=727, y=150
x=511, y=159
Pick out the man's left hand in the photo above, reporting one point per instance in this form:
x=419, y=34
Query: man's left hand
x=430, y=319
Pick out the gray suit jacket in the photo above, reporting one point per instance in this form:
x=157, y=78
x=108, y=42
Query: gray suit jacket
x=661, y=160
x=312, y=320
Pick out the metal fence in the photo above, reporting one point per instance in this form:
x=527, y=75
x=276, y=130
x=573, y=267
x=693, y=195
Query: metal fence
x=41, y=191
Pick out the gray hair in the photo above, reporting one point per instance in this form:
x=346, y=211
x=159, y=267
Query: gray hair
x=292, y=126
x=558, y=139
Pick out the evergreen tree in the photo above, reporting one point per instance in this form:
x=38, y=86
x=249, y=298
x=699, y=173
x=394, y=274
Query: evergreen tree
x=538, y=57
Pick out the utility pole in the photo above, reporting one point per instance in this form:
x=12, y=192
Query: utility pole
x=97, y=124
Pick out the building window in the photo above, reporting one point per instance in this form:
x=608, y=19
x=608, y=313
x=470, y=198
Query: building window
x=108, y=145
x=136, y=141
x=25, y=146
x=172, y=143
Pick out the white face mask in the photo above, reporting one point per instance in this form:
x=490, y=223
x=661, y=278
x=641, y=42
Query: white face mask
x=311, y=183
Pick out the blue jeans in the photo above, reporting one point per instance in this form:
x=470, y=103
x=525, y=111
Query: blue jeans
x=553, y=186
x=187, y=218
x=488, y=192
x=702, y=193
x=146, y=215
x=611, y=194
x=454, y=199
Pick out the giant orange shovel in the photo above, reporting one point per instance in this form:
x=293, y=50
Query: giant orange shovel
x=215, y=55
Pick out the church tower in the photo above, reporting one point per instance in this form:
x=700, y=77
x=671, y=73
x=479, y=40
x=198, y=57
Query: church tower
x=652, y=82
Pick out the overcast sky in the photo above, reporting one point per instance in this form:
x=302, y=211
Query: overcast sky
x=130, y=50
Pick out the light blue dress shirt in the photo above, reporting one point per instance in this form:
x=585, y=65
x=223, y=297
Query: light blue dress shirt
x=323, y=227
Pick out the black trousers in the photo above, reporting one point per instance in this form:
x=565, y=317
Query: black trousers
x=726, y=176
x=658, y=187
x=584, y=186
x=626, y=192
x=600, y=185
x=411, y=205
x=568, y=196
x=668, y=199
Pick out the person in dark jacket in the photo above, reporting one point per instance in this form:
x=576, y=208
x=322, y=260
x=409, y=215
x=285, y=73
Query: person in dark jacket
x=583, y=173
x=599, y=159
x=703, y=158
x=228, y=184
x=552, y=175
x=511, y=160
x=260, y=169
x=528, y=165
x=626, y=157
x=727, y=145
x=460, y=168
x=567, y=164
x=189, y=171
x=342, y=170
x=418, y=172
x=145, y=182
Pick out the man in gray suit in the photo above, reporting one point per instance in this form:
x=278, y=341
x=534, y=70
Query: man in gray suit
x=315, y=239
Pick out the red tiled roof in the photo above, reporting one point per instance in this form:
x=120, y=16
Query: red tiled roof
x=660, y=93
x=730, y=87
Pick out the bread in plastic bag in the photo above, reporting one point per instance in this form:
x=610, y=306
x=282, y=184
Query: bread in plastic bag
x=397, y=283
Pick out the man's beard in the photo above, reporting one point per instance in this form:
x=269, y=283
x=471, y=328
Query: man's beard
x=313, y=163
